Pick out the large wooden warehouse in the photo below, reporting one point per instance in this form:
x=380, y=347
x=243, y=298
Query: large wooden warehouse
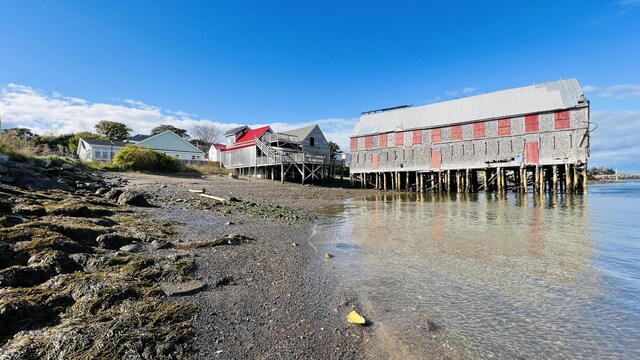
x=534, y=136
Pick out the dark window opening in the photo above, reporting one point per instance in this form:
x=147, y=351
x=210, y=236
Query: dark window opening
x=312, y=141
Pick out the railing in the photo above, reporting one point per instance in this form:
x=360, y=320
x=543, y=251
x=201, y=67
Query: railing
x=280, y=137
x=277, y=156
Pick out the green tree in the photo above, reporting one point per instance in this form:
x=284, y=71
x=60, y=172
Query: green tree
x=334, y=149
x=54, y=142
x=22, y=133
x=162, y=128
x=113, y=130
x=72, y=144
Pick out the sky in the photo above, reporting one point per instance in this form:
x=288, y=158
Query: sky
x=65, y=65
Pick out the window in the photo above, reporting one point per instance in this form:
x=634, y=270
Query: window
x=435, y=135
x=178, y=156
x=561, y=120
x=354, y=144
x=105, y=154
x=478, y=130
x=417, y=137
x=382, y=140
x=368, y=142
x=399, y=139
x=312, y=141
x=531, y=123
x=96, y=154
x=504, y=127
x=456, y=132
x=194, y=157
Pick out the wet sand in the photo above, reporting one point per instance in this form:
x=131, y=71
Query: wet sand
x=269, y=298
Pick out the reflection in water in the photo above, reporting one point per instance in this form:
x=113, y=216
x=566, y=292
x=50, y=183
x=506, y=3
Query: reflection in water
x=515, y=276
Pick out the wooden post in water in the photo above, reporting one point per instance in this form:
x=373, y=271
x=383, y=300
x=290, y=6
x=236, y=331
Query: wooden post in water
x=575, y=179
x=408, y=186
x=485, y=180
x=555, y=178
x=584, y=179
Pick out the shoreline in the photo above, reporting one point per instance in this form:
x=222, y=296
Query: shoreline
x=272, y=297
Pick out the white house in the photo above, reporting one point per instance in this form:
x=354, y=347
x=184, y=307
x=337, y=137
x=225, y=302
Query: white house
x=214, y=152
x=166, y=142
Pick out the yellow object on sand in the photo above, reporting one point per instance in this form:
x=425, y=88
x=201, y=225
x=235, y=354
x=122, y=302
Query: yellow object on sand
x=356, y=318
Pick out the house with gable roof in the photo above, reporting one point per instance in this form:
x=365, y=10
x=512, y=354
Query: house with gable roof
x=299, y=154
x=166, y=142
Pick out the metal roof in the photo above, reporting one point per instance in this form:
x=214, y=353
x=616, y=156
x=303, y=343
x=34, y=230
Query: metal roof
x=549, y=96
x=235, y=130
x=300, y=133
x=104, y=142
x=139, y=137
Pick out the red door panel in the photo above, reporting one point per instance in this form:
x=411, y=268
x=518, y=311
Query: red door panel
x=436, y=159
x=531, y=153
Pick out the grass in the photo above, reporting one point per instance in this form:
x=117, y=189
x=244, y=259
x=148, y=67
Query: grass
x=205, y=168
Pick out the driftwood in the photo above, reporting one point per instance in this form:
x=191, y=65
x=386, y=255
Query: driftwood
x=222, y=200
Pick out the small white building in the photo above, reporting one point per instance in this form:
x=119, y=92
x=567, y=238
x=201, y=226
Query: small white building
x=166, y=142
x=214, y=152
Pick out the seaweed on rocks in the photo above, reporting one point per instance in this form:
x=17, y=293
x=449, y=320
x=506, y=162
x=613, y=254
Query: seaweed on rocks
x=67, y=292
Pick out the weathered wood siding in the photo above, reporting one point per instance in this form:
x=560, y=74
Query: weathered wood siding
x=556, y=146
x=321, y=145
x=236, y=158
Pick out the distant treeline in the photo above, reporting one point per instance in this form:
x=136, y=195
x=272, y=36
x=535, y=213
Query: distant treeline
x=601, y=171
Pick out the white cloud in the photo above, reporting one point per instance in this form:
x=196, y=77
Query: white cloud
x=614, y=92
x=615, y=142
x=23, y=106
x=462, y=92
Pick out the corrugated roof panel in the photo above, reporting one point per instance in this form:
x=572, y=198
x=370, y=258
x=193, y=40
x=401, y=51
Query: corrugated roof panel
x=536, y=98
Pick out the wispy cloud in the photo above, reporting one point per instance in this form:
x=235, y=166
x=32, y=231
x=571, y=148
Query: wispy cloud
x=614, y=92
x=616, y=9
x=615, y=142
x=47, y=113
x=461, y=92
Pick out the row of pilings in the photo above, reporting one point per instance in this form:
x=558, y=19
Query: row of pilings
x=565, y=178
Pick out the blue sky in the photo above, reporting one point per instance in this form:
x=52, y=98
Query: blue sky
x=64, y=65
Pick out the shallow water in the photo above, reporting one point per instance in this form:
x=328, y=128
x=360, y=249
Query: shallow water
x=472, y=276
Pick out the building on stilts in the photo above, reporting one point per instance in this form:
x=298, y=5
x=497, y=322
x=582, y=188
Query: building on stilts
x=299, y=154
x=534, y=137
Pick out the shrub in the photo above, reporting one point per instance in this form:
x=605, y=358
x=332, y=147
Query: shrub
x=18, y=149
x=138, y=158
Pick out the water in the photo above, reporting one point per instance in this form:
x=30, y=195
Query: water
x=476, y=276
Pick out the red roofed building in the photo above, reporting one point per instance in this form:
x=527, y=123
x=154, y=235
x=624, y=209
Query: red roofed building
x=261, y=152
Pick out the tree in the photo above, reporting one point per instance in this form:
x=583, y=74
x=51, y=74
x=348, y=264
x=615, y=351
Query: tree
x=206, y=132
x=162, y=128
x=334, y=149
x=22, y=133
x=113, y=130
x=72, y=144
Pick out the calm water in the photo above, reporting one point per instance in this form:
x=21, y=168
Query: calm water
x=480, y=276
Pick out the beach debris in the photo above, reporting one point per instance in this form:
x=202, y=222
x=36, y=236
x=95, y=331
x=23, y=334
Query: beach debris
x=294, y=244
x=233, y=176
x=356, y=318
x=328, y=255
x=184, y=288
x=216, y=198
x=200, y=191
x=344, y=302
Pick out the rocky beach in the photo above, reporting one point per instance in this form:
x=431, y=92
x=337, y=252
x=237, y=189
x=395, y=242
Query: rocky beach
x=137, y=266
